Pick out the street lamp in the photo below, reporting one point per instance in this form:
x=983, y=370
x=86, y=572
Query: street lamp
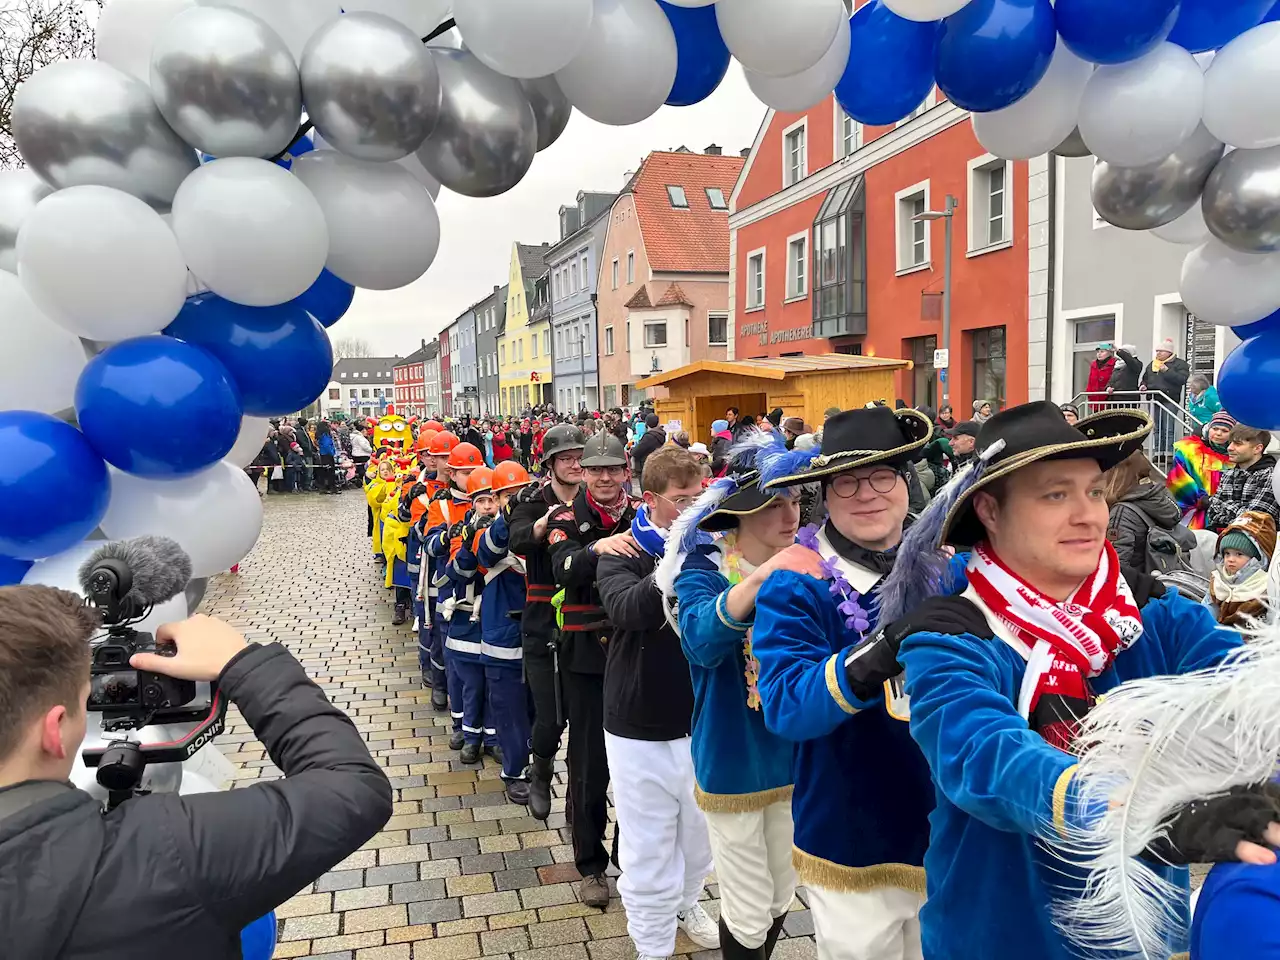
x=948, y=215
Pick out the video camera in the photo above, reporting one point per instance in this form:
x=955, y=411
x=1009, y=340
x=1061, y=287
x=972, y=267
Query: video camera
x=125, y=581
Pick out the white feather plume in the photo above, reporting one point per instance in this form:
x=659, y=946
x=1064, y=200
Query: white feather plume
x=1154, y=746
x=683, y=532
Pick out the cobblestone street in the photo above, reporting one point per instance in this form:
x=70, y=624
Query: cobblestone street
x=458, y=873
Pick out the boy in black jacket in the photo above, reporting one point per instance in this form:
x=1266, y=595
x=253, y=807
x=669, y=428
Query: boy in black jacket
x=663, y=848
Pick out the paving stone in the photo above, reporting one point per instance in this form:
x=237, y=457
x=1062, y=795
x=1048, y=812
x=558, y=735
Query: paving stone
x=305, y=906
x=799, y=923
x=548, y=896
x=287, y=951
x=499, y=844
x=422, y=931
x=467, y=925
x=574, y=951
x=438, y=869
x=504, y=921
x=563, y=911
x=434, y=911
x=417, y=890
x=343, y=880
x=406, y=854
x=455, y=848
x=396, y=873
x=558, y=932
x=504, y=941
x=615, y=948
x=377, y=918
x=428, y=834
x=341, y=955
x=465, y=947
x=606, y=925
x=559, y=873
x=305, y=928
x=515, y=879
x=470, y=884
x=487, y=903
x=363, y=897
x=795, y=948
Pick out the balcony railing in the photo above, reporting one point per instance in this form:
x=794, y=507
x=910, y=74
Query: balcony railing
x=1172, y=422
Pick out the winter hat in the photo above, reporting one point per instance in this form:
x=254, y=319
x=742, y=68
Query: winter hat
x=1238, y=541
x=1109, y=347
x=1223, y=419
x=651, y=420
x=1252, y=533
x=699, y=449
x=979, y=404
x=719, y=426
x=1166, y=344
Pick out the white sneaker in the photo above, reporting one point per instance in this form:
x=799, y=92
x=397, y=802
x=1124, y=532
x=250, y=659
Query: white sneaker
x=645, y=956
x=701, y=929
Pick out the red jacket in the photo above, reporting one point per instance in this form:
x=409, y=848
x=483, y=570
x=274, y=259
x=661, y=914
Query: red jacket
x=1100, y=376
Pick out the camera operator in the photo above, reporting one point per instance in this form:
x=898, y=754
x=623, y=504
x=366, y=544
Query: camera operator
x=163, y=875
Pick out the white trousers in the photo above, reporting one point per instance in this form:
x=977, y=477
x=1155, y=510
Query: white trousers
x=879, y=924
x=662, y=837
x=753, y=867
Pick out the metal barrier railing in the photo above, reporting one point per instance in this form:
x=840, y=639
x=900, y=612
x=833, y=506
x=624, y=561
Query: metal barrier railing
x=1172, y=422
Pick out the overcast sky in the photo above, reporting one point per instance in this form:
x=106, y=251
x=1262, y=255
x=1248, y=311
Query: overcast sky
x=476, y=235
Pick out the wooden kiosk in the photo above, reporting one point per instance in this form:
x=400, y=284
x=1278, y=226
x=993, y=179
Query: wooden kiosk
x=802, y=386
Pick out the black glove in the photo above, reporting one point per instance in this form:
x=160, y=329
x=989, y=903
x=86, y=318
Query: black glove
x=1207, y=831
x=874, y=662
x=417, y=490
x=441, y=494
x=404, y=509
x=1143, y=586
x=481, y=523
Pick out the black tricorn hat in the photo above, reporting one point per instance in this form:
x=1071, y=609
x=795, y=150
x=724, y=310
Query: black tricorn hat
x=1037, y=431
x=748, y=499
x=860, y=438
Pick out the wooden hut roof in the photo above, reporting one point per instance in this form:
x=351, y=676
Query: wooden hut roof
x=778, y=368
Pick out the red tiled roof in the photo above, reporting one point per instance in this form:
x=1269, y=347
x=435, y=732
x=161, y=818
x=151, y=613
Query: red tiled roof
x=695, y=240
x=641, y=299
x=674, y=297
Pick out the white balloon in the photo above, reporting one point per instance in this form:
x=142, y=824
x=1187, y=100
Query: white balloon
x=1275, y=481
x=1044, y=117
x=1138, y=112
x=410, y=163
x=524, y=38
x=1188, y=229
x=253, y=434
x=20, y=191
x=383, y=223
x=1241, y=96
x=420, y=16
x=808, y=88
x=101, y=263
x=779, y=38
x=294, y=20
x=1223, y=286
x=691, y=3
x=924, y=10
x=41, y=361
x=126, y=29
x=214, y=515
x=250, y=231
x=625, y=71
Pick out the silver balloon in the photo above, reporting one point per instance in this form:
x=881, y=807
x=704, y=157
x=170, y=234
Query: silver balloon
x=20, y=191
x=226, y=82
x=370, y=86
x=487, y=135
x=1242, y=200
x=195, y=594
x=1073, y=146
x=1141, y=198
x=551, y=108
x=85, y=122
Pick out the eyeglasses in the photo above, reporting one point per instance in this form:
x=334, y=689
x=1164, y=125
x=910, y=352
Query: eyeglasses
x=568, y=460
x=680, y=503
x=883, y=480
x=601, y=471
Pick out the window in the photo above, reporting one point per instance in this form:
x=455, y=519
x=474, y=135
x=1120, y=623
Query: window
x=913, y=234
x=585, y=339
x=573, y=277
x=797, y=266
x=364, y=394
x=546, y=342
x=839, y=266
x=715, y=197
x=846, y=133
x=335, y=393
x=989, y=196
x=794, y=154
x=608, y=341
x=615, y=273
x=1086, y=336
x=502, y=349
x=586, y=284
x=655, y=333
x=365, y=374
x=353, y=393
x=342, y=375
x=989, y=365
x=677, y=198
x=717, y=329
x=923, y=377
x=631, y=267
x=533, y=348
x=560, y=343
x=610, y=397
x=755, y=280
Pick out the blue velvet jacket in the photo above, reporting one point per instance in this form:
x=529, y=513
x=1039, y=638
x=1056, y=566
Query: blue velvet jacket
x=1000, y=786
x=502, y=593
x=1238, y=914
x=739, y=764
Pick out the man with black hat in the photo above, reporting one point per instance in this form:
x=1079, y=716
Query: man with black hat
x=526, y=517
x=596, y=524
x=1000, y=677
x=863, y=793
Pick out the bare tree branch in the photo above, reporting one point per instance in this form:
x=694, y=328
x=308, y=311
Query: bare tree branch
x=347, y=348
x=33, y=34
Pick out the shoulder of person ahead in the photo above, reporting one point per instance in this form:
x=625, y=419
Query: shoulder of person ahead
x=562, y=524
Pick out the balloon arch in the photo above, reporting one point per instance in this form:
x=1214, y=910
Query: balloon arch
x=153, y=318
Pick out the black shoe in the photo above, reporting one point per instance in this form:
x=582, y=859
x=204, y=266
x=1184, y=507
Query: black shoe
x=518, y=792
x=470, y=753
x=426, y=679
x=456, y=740
x=540, y=772
x=439, y=700
x=493, y=750
x=402, y=614
x=731, y=949
x=772, y=939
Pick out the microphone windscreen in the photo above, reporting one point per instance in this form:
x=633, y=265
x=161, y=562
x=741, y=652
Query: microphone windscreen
x=159, y=566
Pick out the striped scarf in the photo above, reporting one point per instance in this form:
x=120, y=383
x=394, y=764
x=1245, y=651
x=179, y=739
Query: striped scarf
x=1197, y=468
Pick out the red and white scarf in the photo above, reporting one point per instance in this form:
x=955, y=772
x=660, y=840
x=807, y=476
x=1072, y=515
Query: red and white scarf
x=1068, y=643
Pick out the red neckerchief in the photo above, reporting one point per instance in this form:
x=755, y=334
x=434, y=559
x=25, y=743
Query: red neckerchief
x=1070, y=642
x=610, y=514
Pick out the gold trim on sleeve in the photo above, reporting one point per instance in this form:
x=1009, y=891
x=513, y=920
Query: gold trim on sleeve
x=833, y=687
x=1060, y=799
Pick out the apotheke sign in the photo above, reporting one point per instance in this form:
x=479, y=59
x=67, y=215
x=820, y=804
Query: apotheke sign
x=761, y=330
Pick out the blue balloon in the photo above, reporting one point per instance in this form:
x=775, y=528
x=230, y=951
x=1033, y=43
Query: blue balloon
x=53, y=486
x=258, y=939
x=12, y=571
x=1115, y=31
x=158, y=407
x=328, y=299
x=1209, y=24
x=703, y=58
x=1249, y=381
x=1248, y=330
x=1273, y=16
x=890, y=69
x=994, y=51
x=279, y=357
x=303, y=145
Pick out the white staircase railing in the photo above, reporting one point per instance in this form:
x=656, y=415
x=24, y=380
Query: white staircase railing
x=1172, y=422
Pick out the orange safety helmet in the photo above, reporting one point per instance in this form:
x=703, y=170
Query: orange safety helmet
x=509, y=475
x=464, y=455
x=435, y=425
x=425, y=437
x=442, y=444
x=480, y=483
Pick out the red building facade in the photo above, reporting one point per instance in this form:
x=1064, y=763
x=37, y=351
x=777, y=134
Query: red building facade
x=411, y=383
x=446, y=376
x=830, y=254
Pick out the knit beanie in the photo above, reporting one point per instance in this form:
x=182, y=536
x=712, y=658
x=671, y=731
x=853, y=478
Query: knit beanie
x=1222, y=419
x=1236, y=540
x=719, y=426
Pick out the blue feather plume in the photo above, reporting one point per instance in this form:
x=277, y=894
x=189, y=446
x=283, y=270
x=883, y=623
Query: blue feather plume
x=767, y=454
x=684, y=535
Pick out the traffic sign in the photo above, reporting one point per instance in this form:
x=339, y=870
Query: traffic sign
x=941, y=359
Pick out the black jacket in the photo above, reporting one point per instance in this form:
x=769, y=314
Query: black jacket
x=1169, y=379
x=171, y=876
x=571, y=530
x=1147, y=505
x=647, y=691
x=1126, y=373
x=537, y=624
x=653, y=439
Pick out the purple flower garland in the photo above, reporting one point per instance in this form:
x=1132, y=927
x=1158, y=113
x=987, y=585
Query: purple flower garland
x=855, y=616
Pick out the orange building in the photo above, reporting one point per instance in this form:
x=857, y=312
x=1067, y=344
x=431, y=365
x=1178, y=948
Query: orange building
x=828, y=256
x=662, y=300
